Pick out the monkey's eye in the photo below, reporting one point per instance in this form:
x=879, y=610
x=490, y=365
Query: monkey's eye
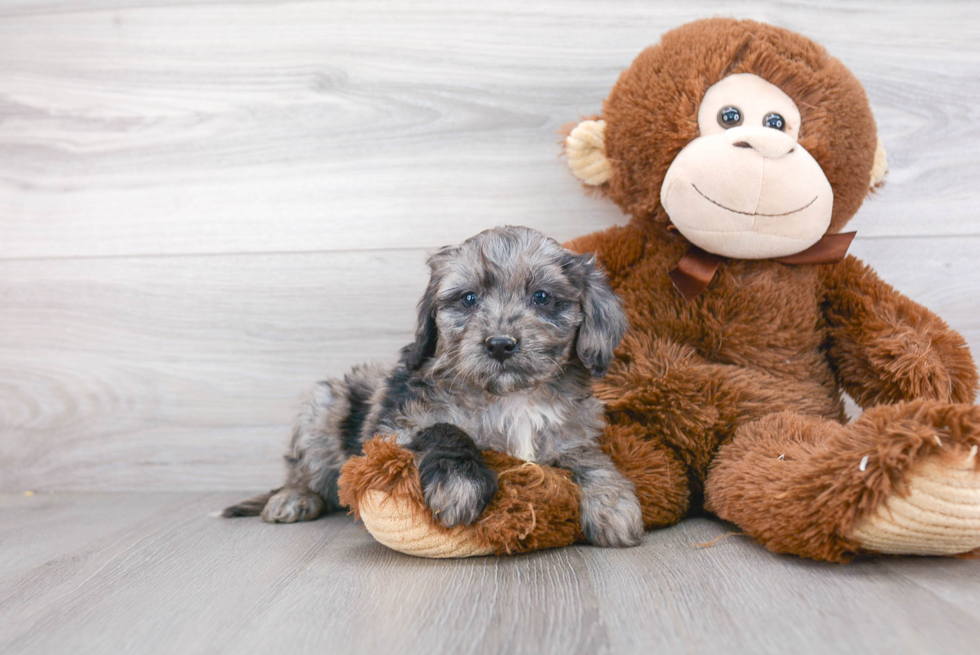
x=730, y=117
x=468, y=299
x=541, y=297
x=775, y=121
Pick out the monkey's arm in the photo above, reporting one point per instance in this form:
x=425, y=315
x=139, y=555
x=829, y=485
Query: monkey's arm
x=885, y=348
x=618, y=249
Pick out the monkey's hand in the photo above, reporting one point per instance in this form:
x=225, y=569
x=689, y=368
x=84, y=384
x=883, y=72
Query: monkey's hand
x=885, y=348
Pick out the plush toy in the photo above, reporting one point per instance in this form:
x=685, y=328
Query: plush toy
x=740, y=151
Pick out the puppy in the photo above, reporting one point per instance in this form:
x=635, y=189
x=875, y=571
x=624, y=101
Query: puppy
x=510, y=330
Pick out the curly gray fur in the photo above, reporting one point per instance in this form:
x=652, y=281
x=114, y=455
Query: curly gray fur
x=510, y=330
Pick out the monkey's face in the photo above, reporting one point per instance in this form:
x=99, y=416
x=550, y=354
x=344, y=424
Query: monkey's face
x=752, y=140
x=746, y=188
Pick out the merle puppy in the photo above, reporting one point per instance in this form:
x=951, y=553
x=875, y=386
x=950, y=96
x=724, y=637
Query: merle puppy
x=510, y=330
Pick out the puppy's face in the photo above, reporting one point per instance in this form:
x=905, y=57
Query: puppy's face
x=508, y=308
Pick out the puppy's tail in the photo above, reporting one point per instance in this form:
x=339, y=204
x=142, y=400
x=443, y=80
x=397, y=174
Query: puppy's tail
x=251, y=507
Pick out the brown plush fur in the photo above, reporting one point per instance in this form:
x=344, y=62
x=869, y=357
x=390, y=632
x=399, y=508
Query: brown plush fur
x=807, y=472
x=535, y=507
x=733, y=400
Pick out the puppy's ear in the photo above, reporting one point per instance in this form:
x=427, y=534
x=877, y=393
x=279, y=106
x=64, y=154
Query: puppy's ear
x=603, y=322
x=426, y=334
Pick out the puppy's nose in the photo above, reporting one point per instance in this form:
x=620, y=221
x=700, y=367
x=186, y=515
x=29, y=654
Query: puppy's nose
x=500, y=348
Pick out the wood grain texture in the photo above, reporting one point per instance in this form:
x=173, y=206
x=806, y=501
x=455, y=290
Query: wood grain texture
x=147, y=128
x=150, y=373
x=183, y=372
x=172, y=579
x=205, y=206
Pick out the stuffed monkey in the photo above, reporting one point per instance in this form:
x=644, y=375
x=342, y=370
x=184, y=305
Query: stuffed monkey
x=740, y=151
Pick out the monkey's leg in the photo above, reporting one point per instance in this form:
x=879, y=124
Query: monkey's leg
x=669, y=409
x=901, y=479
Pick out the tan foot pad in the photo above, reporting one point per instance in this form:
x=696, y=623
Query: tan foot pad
x=535, y=506
x=395, y=523
x=940, y=515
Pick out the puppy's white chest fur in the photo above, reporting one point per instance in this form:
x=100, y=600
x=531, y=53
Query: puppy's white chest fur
x=516, y=423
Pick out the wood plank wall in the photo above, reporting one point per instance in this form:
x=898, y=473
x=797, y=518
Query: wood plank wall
x=205, y=206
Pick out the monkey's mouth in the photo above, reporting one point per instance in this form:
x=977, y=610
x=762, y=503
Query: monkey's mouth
x=735, y=211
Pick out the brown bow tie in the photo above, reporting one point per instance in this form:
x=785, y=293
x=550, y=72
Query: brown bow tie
x=696, y=268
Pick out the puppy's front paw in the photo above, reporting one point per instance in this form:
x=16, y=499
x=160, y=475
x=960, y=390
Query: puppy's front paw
x=456, y=489
x=611, y=518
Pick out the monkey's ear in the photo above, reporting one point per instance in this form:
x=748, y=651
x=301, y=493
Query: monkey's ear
x=880, y=165
x=585, y=147
x=603, y=320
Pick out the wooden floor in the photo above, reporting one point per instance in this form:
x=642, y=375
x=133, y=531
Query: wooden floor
x=205, y=205
x=155, y=573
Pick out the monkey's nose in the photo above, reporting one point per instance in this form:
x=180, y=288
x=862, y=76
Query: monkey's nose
x=501, y=348
x=768, y=142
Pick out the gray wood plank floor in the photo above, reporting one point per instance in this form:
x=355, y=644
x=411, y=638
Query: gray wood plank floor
x=154, y=573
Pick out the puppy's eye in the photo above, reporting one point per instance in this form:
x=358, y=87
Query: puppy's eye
x=541, y=297
x=774, y=120
x=730, y=117
x=468, y=299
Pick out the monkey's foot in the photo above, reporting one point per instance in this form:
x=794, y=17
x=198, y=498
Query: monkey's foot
x=535, y=506
x=396, y=523
x=938, y=515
